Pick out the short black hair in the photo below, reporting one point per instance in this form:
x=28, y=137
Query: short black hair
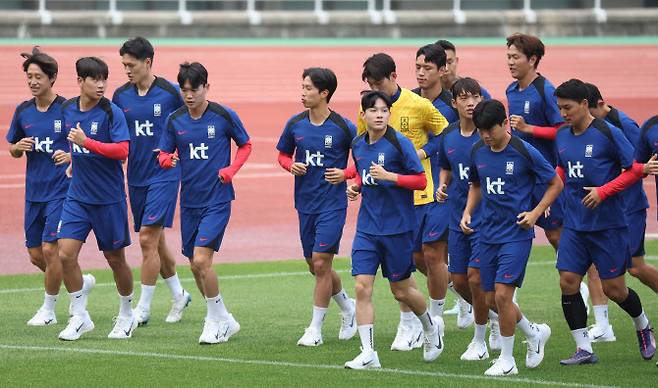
x=138, y=47
x=574, y=89
x=488, y=114
x=46, y=63
x=93, y=67
x=322, y=79
x=528, y=44
x=193, y=72
x=433, y=54
x=594, y=95
x=465, y=85
x=446, y=45
x=369, y=99
x=378, y=67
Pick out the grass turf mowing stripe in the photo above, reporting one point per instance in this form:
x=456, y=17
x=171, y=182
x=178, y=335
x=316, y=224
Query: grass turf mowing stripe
x=518, y=380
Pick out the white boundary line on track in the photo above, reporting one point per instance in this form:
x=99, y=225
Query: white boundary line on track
x=405, y=372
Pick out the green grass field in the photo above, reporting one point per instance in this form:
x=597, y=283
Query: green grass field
x=272, y=302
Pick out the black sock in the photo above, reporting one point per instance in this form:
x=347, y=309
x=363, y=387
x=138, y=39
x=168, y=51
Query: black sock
x=632, y=305
x=575, y=311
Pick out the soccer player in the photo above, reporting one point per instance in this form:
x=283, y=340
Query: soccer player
x=591, y=154
x=96, y=199
x=504, y=171
x=201, y=132
x=146, y=101
x=430, y=69
x=36, y=131
x=455, y=146
x=388, y=170
x=452, y=60
x=320, y=139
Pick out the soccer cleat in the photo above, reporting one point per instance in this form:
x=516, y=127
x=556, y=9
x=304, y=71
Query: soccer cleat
x=177, y=307
x=433, y=343
x=142, y=315
x=123, y=327
x=647, y=342
x=367, y=359
x=43, y=317
x=601, y=334
x=77, y=326
x=584, y=292
x=409, y=336
x=454, y=310
x=494, y=335
x=476, y=351
x=580, y=357
x=215, y=332
x=502, y=367
x=465, y=314
x=88, y=283
x=311, y=337
x=535, y=352
x=348, y=323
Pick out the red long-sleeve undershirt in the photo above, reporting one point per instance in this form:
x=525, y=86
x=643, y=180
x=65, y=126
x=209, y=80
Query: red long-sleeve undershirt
x=285, y=160
x=241, y=156
x=412, y=182
x=116, y=151
x=350, y=172
x=623, y=181
x=166, y=159
x=545, y=132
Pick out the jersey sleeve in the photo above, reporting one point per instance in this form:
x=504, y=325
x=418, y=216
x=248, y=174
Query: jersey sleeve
x=642, y=149
x=540, y=166
x=551, y=111
x=410, y=161
x=237, y=131
x=353, y=131
x=435, y=122
x=15, y=132
x=485, y=93
x=360, y=123
x=167, y=139
x=624, y=148
x=286, y=142
x=444, y=163
x=473, y=175
x=119, y=130
x=631, y=130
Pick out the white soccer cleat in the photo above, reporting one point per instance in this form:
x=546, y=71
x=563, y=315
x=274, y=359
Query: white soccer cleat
x=77, y=326
x=502, y=367
x=177, y=307
x=43, y=317
x=366, y=360
x=215, y=332
x=88, y=283
x=584, y=292
x=123, y=327
x=601, y=334
x=535, y=352
x=476, y=351
x=408, y=337
x=494, y=335
x=465, y=314
x=433, y=344
x=311, y=337
x=142, y=315
x=348, y=323
x=454, y=310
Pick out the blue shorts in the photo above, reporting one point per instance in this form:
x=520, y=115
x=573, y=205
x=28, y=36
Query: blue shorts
x=109, y=223
x=637, y=226
x=503, y=263
x=203, y=227
x=41, y=220
x=556, y=216
x=463, y=252
x=607, y=249
x=431, y=224
x=321, y=232
x=154, y=204
x=393, y=252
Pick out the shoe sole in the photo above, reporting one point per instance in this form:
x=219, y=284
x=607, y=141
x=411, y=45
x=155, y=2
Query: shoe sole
x=79, y=334
x=591, y=360
x=41, y=324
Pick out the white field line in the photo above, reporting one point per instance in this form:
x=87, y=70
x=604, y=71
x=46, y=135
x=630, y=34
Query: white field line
x=226, y=360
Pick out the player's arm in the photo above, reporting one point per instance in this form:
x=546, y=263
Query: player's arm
x=430, y=148
x=239, y=135
x=518, y=123
x=435, y=122
x=116, y=151
x=527, y=220
x=19, y=143
x=445, y=177
x=166, y=151
x=407, y=181
x=472, y=201
x=20, y=147
x=354, y=189
x=626, y=179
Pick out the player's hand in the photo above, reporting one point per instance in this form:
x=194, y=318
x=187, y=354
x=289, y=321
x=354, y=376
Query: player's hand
x=526, y=220
x=441, y=194
x=547, y=212
x=298, y=169
x=353, y=192
x=464, y=224
x=77, y=135
x=60, y=157
x=174, y=159
x=24, y=145
x=378, y=172
x=69, y=171
x=334, y=175
x=518, y=123
x=651, y=167
x=592, y=199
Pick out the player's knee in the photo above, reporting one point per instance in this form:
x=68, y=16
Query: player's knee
x=616, y=292
x=473, y=279
x=400, y=294
x=36, y=258
x=363, y=291
x=320, y=267
x=50, y=252
x=491, y=301
x=569, y=285
x=635, y=271
x=148, y=241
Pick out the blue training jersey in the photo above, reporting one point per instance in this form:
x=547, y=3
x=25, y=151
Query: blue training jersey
x=319, y=147
x=97, y=180
x=538, y=106
x=455, y=156
x=146, y=116
x=386, y=208
x=204, y=148
x=507, y=180
x=44, y=181
x=592, y=159
x=647, y=145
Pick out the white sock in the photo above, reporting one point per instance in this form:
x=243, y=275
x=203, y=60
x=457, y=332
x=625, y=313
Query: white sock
x=601, y=316
x=173, y=282
x=436, y=307
x=145, y=297
x=507, y=347
x=407, y=316
x=493, y=315
x=582, y=339
x=216, y=309
x=343, y=301
x=318, y=317
x=641, y=322
x=49, y=301
x=451, y=288
x=480, y=332
x=125, y=305
x=77, y=303
x=526, y=327
x=426, y=321
x=367, y=335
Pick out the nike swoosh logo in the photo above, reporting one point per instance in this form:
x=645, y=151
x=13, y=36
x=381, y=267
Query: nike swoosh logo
x=78, y=296
x=223, y=335
x=181, y=132
x=316, y=342
x=451, y=150
x=151, y=218
x=203, y=239
x=482, y=165
x=48, y=321
x=506, y=276
x=79, y=327
x=26, y=126
x=130, y=330
x=562, y=150
x=324, y=245
x=432, y=234
x=366, y=363
x=359, y=158
x=116, y=242
x=599, y=336
x=126, y=110
x=440, y=345
x=300, y=138
x=481, y=356
x=506, y=372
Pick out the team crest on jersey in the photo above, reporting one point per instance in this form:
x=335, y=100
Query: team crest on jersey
x=509, y=169
x=211, y=132
x=57, y=126
x=526, y=107
x=588, y=150
x=94, y=127
x=404, y=123
x=157, y=110
x=380, y=159
x=328, y=141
